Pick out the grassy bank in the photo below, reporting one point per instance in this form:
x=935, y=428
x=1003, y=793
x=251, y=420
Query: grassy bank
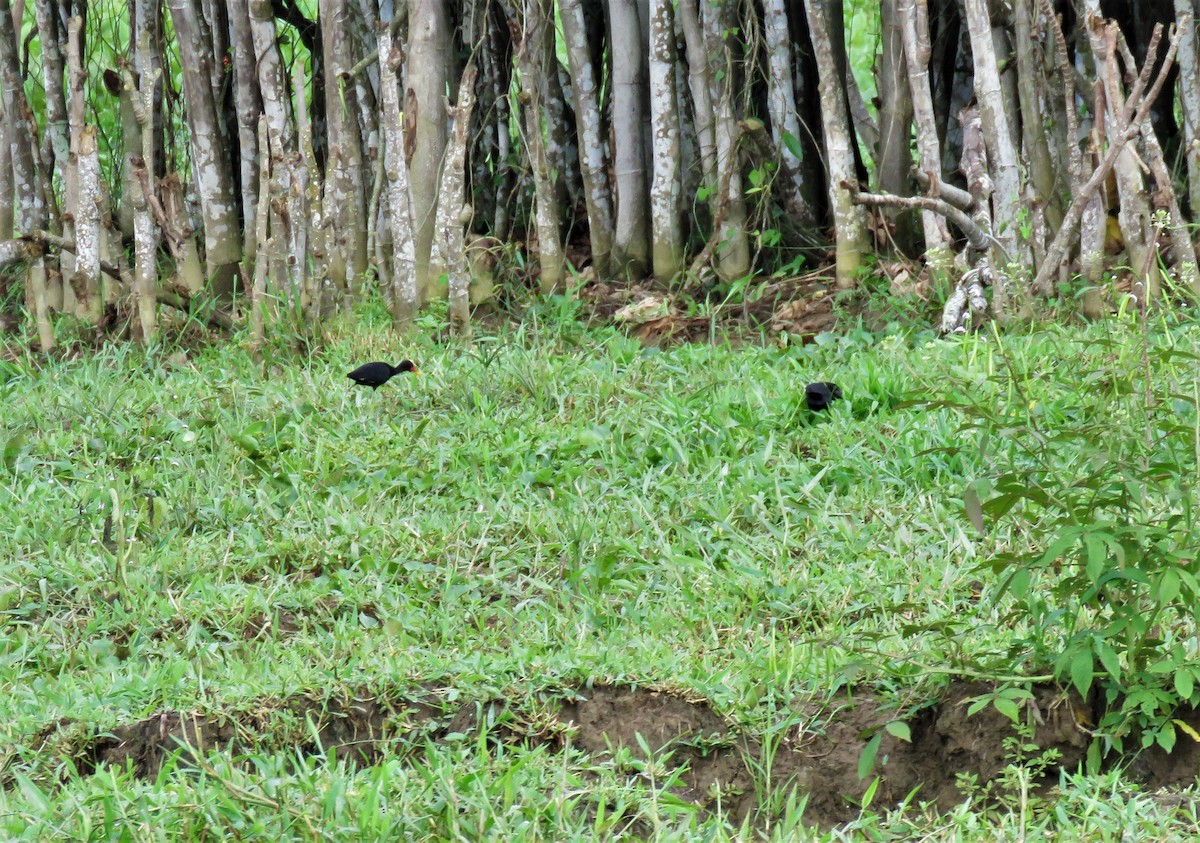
x=555, y=509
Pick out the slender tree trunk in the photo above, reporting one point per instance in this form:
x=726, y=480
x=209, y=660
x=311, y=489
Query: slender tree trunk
x=667, y=232
x=248, y=101
x=701, y=86
x=528, y=26
x=1189, y=98
x=1002, y=154
x=847, y=217
x=425, y=118
x=20, y=177
x=914, y=21
x=1133, y=207
x=454, y=209
x=344, y=204
x=733, y=252
x=1035, y=139
x=55, y=143
x=405, y=297
x=585, y=91
x=781, y=105
x=627, y=40
x=146, y=37
x=893, y=157
x=211, y=168
x=263, y=248
x=86, y=279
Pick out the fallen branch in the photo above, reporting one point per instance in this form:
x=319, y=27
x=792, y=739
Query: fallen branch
x=956, y=196
x=976, y=236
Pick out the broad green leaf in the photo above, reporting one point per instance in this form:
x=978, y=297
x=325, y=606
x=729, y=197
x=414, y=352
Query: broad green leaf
x=1008, y=708
x=1168, y=585
x=1082, y=670
x=899, y=729
x=1166, y=736
x=866, y=761
x=793, y=145
x=1185, y=683
x=1108, y=658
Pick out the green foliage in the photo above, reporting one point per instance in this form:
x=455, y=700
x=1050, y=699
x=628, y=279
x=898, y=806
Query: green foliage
x=1091, y=495
x=554, y=505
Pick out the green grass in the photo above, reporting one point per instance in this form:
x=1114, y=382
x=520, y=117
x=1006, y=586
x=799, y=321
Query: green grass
x=554, y=507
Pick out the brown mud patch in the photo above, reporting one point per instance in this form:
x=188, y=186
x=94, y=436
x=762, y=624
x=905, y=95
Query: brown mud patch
x=815, y=752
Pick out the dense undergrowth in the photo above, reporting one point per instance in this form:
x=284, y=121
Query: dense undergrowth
x=559, y=506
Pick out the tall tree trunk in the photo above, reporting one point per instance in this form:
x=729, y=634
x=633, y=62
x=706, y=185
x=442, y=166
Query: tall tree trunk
x=1002, y=154
x=1133, y=207
x=86, y=210
x=55, y=143
x=781, y=105
x=425, y=117
x=345, y=202
x=146, y=41
x=733, y=252
x=585, y=92
x=1035, y=139
x=667, y=233
x=454, y=209
x=22, y=204
x=211, y=167
x=528, y=27
x=248, y=100
x=405, y=296
x=627, y=41
x=847, y=217
x=1189, y=99
x=915, y=23
x=893, y=157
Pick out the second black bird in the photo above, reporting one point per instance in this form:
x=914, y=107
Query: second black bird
x=819, y=396
x=377, y=374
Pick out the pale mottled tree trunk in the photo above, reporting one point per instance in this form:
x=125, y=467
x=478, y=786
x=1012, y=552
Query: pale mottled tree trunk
x=1133, y=207
x=1189, y=100
x=344, y=203
x=847, y=217
x=271, y=75
x=55, y=144
x=667, y=231
x=585, y=92
x=529, y=25
x=210, y=164
x=1035, y=139
x=258, y=289
x=733, y=249
x=631, y=244
x=454, y=209
x=701, y=87
x=248, y=102
x=915, y=26
x=20, y=179
x=1002, y=154
x=425, y=118
x=85, y=206
x=310, y=227
x=893, y=156
x=405, y=296
x=146, y=36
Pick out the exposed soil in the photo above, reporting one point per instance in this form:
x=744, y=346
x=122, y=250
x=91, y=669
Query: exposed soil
x=817, y=753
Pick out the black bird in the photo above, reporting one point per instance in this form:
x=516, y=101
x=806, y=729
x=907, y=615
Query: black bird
x=376, y=375
x=819, y=396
